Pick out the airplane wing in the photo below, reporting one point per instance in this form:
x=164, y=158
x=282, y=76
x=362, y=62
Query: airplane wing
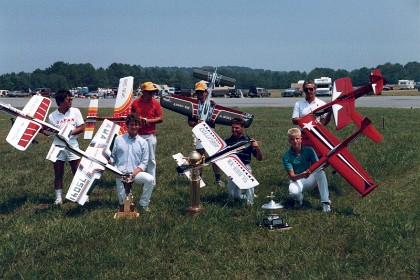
x=224, y=156
x=192, y=108
x=23, y=132
x=28, y=122
x=94, y=162
x=122, y=108
x=343, y=162
x=37, y=107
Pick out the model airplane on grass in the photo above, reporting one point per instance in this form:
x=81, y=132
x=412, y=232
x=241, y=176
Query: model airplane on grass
x=94, y=161
x=223, y=156
x=206, y=110
x=122, y=108
x=333, y=151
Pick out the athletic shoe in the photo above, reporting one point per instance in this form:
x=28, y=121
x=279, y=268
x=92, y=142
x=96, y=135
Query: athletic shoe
x=58, y=201
x=326, y=207
x=220, y=184
x=145, y=209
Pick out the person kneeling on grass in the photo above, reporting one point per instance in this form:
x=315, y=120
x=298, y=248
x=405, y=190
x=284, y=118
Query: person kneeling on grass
x=238, y=134
x=297, y=161
x=130, y=154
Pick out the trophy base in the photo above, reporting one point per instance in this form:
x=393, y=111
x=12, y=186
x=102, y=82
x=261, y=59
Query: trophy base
x=192, y=211
x=126, y=215
x=275, y=222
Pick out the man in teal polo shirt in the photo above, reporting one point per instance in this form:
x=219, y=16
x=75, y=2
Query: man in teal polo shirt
x=297, y=161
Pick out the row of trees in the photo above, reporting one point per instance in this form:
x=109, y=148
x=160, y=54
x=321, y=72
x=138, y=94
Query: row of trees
x=65, y=75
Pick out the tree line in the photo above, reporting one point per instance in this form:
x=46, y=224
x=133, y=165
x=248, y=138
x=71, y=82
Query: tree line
x=63, y=75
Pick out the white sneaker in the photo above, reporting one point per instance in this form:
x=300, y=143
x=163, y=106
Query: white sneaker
x=326, y=207
x=58, y=201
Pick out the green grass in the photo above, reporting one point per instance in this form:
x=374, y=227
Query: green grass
x=369, y=238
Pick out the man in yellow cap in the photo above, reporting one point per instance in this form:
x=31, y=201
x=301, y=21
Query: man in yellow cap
x=150, y=113
x=201, y=94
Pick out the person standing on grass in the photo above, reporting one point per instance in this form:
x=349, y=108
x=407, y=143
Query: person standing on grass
x=130, y=154
x=65, y=114
x=150, y=113
x=297, y=161
x=306, y=106
x=238, y=134
x=201, y=94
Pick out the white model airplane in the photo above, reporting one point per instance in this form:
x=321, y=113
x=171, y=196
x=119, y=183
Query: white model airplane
x=224, y=156
x=93, y=163
x=29, y=122
x=122, y=108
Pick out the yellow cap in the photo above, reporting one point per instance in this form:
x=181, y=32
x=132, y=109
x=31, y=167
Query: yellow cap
x=201, y=86
x=148, y=86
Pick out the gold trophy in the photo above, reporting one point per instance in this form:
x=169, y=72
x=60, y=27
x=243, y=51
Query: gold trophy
x=195, y=207
x=128, y=211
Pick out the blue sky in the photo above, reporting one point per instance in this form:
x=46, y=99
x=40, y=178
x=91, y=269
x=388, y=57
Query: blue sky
x=271, y=34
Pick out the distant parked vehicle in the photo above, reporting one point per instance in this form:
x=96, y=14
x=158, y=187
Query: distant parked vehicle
x=93, y=95
x=4, y=92
x=237, y=93
x=388, y=87
x=258, y=92
x=291, y=92
x=183, y=91
x=43, y=91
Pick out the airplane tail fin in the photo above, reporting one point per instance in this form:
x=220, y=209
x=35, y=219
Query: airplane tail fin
x=377, y=81
x=342, y=109
x=124, y=97
x=91, y=119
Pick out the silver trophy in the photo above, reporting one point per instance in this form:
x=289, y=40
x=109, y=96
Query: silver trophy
x=272, y=215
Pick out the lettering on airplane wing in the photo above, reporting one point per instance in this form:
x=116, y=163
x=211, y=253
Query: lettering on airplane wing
x=234, y=168
x=212, y=143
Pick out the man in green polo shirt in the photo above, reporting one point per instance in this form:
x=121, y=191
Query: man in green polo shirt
x=297, y=161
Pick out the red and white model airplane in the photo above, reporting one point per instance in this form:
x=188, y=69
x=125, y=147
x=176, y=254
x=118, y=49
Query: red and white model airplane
x=122, y=108
x=333, y=151
x=206, y=110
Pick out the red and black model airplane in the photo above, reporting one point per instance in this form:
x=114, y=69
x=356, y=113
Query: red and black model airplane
x=334, y=151
x=206, y=109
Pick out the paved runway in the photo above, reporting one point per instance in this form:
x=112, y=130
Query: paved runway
x=366, y=101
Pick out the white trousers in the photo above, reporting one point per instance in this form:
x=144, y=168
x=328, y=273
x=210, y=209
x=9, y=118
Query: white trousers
x=235, y=192
x=141, y=178
x=315, y=179
x=151, y=165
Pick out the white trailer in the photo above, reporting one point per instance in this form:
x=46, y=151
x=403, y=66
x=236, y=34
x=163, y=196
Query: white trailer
x=323, y=86
x=406, y=84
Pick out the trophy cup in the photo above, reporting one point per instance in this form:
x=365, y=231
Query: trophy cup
x=128, y=209
x=195, y=207
x=272, y=219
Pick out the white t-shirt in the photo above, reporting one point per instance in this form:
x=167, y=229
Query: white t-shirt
x=303, y=108
x=72, y=116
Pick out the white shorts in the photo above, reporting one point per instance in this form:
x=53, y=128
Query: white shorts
x=65, y=155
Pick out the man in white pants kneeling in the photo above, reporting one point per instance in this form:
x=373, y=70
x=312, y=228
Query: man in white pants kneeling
x=297, y=161
x=130, y=154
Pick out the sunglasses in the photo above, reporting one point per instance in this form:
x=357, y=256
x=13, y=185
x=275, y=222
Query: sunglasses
x=309, y=89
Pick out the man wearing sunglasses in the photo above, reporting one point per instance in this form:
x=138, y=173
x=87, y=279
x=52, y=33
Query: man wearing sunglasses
x=306, y=106
x=310, y=103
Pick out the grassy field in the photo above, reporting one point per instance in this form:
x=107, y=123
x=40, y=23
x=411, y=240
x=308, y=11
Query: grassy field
x=363, y=238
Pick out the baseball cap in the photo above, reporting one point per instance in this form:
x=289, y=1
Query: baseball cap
x=149, y=86
x=200, y=86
